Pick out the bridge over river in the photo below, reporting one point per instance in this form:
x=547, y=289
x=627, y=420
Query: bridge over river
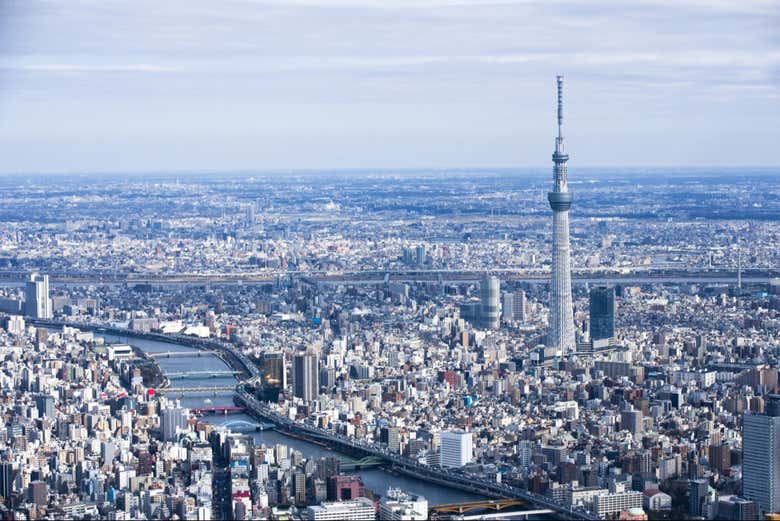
x=199, y=375
x=191, y=353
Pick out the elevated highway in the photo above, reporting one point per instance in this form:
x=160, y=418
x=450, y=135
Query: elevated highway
x=657, y=273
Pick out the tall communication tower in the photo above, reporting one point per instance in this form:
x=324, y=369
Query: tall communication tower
x=561, y=332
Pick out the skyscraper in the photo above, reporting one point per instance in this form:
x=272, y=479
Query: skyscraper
x=6, y=480
x=513, y=306
x=602, y=316
x=508, y=307
x=489, y=293
x=306, y=376
x=561, y=333
x=520, y=305
x=45, y=405
x=456, y=448
x=761, y=457
x=173, y=419
x=274, y=374
x=37, y=303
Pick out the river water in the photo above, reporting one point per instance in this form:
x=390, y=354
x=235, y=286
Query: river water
x=377, y=480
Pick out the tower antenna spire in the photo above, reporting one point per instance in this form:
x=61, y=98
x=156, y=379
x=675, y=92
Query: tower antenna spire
x=560, y=105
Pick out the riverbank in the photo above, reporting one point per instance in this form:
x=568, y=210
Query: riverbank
x=151, y=372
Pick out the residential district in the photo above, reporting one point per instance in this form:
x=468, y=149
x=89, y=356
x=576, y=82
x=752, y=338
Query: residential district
x=152, y=336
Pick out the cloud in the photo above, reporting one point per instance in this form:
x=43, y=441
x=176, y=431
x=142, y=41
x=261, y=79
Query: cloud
x=88, y=68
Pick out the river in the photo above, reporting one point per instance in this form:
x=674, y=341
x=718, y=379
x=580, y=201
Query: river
x=377, y=480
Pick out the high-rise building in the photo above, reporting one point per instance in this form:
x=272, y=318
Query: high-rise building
x=306, y=376
x=45, y=406
x=561, y=333
x=6, y=480
x=389, y=437
x=420, y=255
x=456, y=448
x=489, y=293
x=508, y=307
x=38, y=493
x=274, y=374
x=173, y=419
x=299, y=486
x=37, y=303
x=14, y=324
x=761, y=457
x=602, y=316
x=513, y=306
x=697, y=495
x=631, y=421
x=520, y=305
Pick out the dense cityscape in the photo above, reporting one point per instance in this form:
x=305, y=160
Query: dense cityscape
x=375, y=345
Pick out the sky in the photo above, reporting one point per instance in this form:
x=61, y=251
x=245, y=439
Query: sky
x=209, y=86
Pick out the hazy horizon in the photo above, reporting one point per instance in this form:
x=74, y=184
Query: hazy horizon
x=588, y=172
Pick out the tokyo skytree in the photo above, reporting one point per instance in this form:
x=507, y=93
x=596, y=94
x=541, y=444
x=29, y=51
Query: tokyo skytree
x=561, y=333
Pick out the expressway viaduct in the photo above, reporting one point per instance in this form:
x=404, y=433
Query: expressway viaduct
x=381, y=276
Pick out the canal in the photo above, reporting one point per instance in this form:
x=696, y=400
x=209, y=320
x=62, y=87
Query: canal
x=377, y=480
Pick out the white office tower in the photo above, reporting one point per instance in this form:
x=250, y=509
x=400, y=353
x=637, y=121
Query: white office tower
x=37, y=303
x=561, y=332
x=761, y=457
x=508, y=307
x=360, y=509
x=456, y=448
x=489, y=290
x=14, y=324
x=172, y=420
x=513, y=306
x=520, y=305
x=398, y=505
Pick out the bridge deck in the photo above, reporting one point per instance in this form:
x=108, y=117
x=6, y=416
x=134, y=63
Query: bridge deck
x=490, y=504
x=215, y=389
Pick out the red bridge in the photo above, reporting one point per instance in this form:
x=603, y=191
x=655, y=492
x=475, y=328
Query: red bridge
x=222, y=410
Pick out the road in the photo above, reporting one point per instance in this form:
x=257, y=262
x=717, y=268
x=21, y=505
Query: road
x=639, y=274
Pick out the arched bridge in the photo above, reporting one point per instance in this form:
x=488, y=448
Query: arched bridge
x=246, y=426
x=488, y=504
